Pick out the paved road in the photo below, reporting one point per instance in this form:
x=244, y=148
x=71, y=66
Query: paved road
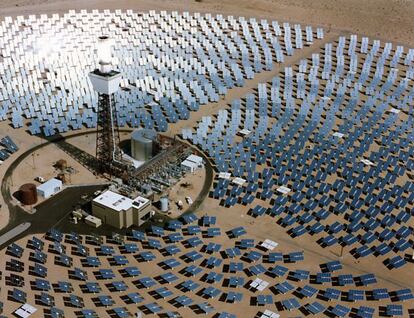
x=208, y=181
x=16, y=231
x=54, y=211
x=50, y=213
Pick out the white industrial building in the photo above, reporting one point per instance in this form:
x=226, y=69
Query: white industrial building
x=192, y=163
x=49, y=188
x=93, y=221
x=196, y=159
x=120, y=211
x=189, y=166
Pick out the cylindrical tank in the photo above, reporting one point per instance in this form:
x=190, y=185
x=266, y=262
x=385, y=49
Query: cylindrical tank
x=28, y=194
x=142, y=143
x=164, y=203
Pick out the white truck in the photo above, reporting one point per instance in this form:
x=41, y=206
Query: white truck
x=40, y=179
x=180, y=204
x=189, y=200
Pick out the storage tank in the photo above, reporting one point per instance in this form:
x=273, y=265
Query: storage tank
x=142, y=144
x=28, y=194
x=164, y=203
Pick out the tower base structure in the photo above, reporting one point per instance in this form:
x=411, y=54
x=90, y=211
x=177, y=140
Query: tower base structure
x=108, y=154
x=107, y=135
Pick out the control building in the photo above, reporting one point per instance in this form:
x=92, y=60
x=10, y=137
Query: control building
x=120, y=211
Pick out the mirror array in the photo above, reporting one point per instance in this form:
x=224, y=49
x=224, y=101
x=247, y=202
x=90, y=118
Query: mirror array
x=10, y=147
x=190, y=266
x=171, y=63
x=326, y=149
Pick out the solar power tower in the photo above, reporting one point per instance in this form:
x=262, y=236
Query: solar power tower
x=106, y=82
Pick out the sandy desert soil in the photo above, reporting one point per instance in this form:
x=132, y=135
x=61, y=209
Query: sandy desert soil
x=383, y=19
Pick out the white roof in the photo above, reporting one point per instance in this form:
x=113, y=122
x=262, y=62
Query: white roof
x=239, y=181
x=338, y=134
x=225, y=175
x=262, y=286
x=245, y=132
x=283, y=190
x=29, y=308
x=119, y=202
x=21, y=313
x=114, y=201
x=25, y=311
x=269, y=244
x=269, y=314
x=189, y=164
x=367, y=162
x=259, y=284
x=194, y=158
x=92, y=218
x=139, y=202
x=52, y=183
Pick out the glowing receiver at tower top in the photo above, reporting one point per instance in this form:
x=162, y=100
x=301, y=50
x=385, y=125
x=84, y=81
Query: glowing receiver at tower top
x=105, y=80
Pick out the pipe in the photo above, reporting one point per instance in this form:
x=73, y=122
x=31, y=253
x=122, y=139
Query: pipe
x=113, y=133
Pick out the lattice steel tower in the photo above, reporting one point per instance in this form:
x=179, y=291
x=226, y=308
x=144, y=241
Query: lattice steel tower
x=106, y=82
